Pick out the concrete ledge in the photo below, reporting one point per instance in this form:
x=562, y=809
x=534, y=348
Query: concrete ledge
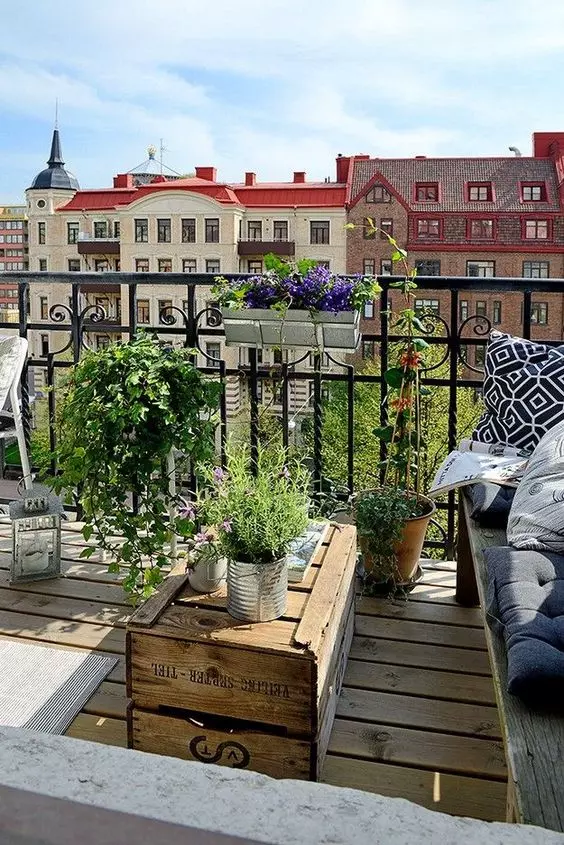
x=233, y=802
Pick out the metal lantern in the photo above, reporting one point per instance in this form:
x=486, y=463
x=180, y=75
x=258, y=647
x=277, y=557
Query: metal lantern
x=36, y=535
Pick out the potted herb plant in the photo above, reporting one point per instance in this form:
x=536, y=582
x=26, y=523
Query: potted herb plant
x=392, y=519
x=257, y=509
x=124, y=409
x=294, y=305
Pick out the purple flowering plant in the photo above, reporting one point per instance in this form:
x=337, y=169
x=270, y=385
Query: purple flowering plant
x=305, y=285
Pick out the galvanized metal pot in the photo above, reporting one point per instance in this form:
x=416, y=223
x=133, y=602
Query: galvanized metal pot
x=257, y=592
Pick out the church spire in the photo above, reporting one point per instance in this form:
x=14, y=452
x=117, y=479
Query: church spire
x=56, y=156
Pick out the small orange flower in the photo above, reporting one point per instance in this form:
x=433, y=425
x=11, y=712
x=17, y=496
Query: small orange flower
x=410, y=360
x=402, y=404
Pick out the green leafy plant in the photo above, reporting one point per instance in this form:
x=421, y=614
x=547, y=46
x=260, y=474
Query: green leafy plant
x=380, y=516
x=256, y=509
x=123, y=409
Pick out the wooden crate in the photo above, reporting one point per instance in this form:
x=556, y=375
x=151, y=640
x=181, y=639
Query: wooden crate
x=208, y=687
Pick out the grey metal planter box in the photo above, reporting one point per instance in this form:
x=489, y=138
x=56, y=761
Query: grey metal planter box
x=265, y=327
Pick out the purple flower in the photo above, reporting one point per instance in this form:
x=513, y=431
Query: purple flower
x=226, y=525
x=202, y=539
x=187, y=511
x=218, y=475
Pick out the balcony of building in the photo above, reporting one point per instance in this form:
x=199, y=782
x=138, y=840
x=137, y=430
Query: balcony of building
x=417, y=714
x=87, y=245
x=252, y=247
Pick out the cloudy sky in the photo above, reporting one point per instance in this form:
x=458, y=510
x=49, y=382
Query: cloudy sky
x=272, y=85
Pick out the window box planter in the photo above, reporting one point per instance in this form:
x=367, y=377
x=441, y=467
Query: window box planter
x=294, y=328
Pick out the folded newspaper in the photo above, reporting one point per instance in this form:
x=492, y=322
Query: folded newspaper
x=474, y=462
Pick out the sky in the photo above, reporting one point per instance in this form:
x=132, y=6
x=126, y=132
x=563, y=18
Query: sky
x=271, y=86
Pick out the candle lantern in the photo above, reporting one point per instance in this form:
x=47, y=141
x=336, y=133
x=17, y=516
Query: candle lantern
x=36, y=535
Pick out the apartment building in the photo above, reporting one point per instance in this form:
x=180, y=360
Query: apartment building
x=465, y=217
x=13, y=256
x=154, y=222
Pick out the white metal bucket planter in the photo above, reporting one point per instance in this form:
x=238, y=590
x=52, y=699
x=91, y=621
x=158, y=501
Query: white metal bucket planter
x=257, y=592
x=208, y=574
x=294, y=328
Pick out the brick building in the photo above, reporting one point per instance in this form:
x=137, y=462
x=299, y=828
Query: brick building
x=13, y=256
x=465, y=217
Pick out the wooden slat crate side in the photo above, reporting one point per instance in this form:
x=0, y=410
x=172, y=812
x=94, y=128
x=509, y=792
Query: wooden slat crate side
x=255, y=750
x=208, y=678
x=150, y=611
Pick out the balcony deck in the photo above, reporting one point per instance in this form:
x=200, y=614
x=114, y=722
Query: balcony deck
x=416, y=717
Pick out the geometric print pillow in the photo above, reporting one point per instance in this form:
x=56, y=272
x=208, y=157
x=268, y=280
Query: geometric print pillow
x=523, y=391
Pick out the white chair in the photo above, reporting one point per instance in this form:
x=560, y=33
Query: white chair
x=13, y=355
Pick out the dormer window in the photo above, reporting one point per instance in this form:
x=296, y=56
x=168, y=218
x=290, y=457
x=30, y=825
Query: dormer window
x=427, y=192
x=378, y=193
x=533, y=191
x=480, y=192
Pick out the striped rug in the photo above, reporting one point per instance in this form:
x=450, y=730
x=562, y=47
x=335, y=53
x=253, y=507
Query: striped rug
x=43, y=688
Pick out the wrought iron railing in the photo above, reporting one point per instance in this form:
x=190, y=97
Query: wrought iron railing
x=69, y=325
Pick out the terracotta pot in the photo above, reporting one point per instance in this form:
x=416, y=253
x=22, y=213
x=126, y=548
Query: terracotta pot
x=408, y=550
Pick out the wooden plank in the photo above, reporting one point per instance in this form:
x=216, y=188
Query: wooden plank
x=466, y=586
x=454, y=794
x=75, y=588
x=423, y=749
x=216, y=601
x=14, y=599
x=151, y=610
x=431, y=633
x=451, y=614
x=108, y=700
x=62, y=632
x=425, y=682
x=418, y=654
x=421, y=713
x=534, y=741
x=99, y=729
x=234, y=747
x=438, y=578
x=321, y=604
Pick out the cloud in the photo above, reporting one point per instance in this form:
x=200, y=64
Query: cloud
x=273, y=86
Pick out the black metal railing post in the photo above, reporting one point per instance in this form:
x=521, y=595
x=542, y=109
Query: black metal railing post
x=23, y=307
x=317, y=428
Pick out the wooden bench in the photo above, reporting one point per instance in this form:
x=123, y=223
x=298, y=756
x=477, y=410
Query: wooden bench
x=534, y=742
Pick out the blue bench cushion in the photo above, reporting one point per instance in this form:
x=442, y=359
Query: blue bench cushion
x=525, y=604
x=491, y=504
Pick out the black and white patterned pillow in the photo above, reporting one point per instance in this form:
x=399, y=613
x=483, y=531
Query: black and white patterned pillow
x=523, y=391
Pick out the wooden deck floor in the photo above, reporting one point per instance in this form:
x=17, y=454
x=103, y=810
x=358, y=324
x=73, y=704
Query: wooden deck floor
x=416, y=717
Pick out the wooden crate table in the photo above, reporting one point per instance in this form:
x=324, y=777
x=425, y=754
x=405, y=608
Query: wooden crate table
x=205, y=686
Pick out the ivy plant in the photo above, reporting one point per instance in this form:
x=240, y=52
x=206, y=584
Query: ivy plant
x=123, y=409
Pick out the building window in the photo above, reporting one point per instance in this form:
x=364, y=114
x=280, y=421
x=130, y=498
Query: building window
x=101, y=265
x=481, y=229
x=44, y=345
x=367, y=349
x=368, y=229
x=213, y=351
x=369, y=310
x=536, y=269
x=72, y=233
x=43, y=308
x=463, y=310
x=74, y=265
x=480, y=268
x=480, y=192
x=165, y=265
x=539, y=313
x=163, y=230
x=212, y=230
x=42, y=265
x=533, y=193
x=141, y=231
x=188, y=230
x=165, y=309
x=428, y=305
x=536, y=230
x=480, y=356
x=386, y=267
x=386, y=228
x=369, y=267
x=427, y=192
x=430, y=267
x=102, y=341
x=212, y=265
x=143, y=312
x=280, y=230
x=319, y=231
x=41, y=233
x=428, y=228
x=378, y=193
x=141, y=265
x=496, y=312
x=254, y=230
x=117, y=229
x=100, y=229
x=254, y=266
x=189, y=265
x=277, y=357
x=481, y=308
